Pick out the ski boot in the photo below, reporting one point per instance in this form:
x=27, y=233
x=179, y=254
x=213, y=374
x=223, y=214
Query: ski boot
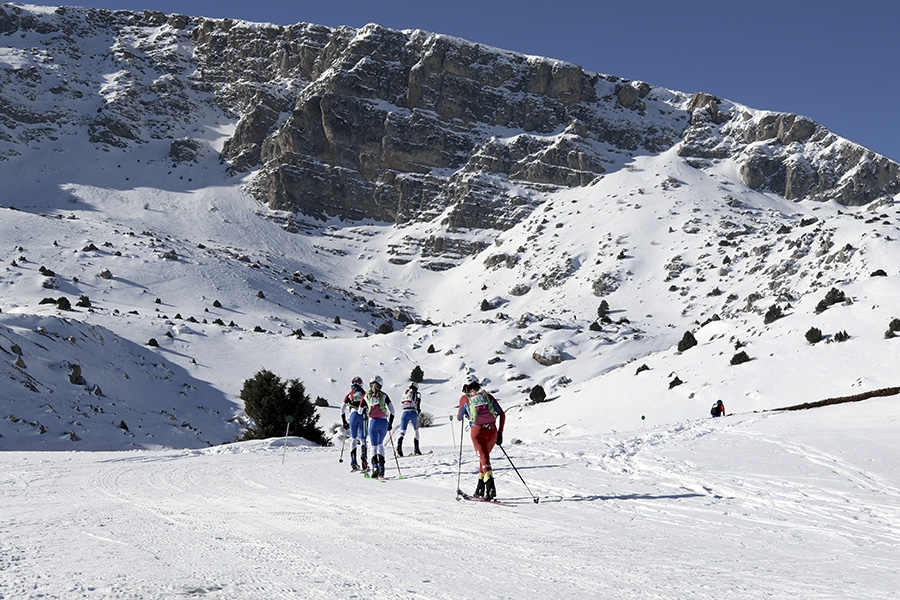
x=381, y=467
x=365, y=460
x=374, y=473
x=354, y=466
x=400, y=446
x=416, y=451
x=479, y=489
x=490, y=491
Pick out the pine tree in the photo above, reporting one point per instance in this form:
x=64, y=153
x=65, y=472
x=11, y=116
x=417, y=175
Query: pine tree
x=268, y=400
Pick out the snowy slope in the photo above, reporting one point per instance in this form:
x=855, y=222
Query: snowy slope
x=774, y=505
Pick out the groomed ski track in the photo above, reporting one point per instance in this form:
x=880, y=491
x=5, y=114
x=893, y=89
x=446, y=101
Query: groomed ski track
x=753, y=506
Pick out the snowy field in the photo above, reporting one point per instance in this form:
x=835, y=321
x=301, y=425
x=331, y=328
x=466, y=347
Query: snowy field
x=766, y=505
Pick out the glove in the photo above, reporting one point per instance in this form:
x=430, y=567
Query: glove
x=499, y=438
x=391, y=422
x=344, y=421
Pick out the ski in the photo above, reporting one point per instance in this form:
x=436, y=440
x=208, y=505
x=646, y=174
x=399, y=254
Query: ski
x=461, y=495
x=414, y=455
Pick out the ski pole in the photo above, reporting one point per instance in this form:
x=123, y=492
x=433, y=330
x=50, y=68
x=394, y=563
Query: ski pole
x=288, y=419
x=452, y=434
x=533, y=497
x=396, y=460
x=343, y=440
x=459, y=464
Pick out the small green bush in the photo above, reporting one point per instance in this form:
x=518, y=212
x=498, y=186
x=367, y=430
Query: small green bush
x=426, y=419
x=773, y=314
x=417, y=375
x=537, y=394
x=841, y=336
x=814, y=335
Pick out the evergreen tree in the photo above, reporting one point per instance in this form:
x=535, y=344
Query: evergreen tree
x=268, y=400
x=417, y=374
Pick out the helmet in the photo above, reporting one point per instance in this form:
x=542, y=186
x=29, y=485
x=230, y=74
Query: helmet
x=377, y=379
x=414, y=385
x=356, y=381
x=471, y=380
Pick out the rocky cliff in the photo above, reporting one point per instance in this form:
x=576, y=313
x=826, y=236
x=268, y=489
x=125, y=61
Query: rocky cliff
x=397, y=126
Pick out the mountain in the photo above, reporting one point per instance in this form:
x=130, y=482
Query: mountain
x=331, y=202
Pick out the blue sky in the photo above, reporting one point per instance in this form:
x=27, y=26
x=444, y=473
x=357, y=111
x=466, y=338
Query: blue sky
x=834, y=61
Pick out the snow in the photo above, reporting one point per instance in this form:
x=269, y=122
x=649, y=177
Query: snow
x=770, y=505
x=641, y=494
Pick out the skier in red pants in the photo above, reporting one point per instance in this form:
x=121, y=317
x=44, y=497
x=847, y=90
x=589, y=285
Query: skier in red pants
x=487, y=420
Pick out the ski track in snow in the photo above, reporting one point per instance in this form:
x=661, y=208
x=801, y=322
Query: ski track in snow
x=642, y=515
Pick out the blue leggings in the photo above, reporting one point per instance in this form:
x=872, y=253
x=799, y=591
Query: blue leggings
x=378, y=429
x=409, y=417
x=357, y=429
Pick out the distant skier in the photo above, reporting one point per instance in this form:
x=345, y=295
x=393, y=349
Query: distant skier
x=718, y=409
x=381, y=419
x=357, y=422
x=411, y=403
x=487, y=420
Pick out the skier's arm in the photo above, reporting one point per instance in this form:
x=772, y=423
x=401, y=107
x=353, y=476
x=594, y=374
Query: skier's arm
x=463, y=408
x=500, y=414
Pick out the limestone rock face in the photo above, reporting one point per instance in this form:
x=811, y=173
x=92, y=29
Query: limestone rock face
x=790, y=155
x=400, y=126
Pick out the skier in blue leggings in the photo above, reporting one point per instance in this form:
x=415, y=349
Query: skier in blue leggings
x=381, y=419
x=356, y=423
x=411, y=403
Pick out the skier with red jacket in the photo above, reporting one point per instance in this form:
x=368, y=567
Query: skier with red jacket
x=487, y=420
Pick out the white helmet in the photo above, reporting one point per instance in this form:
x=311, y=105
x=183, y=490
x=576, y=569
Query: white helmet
x=470, y=381
x=377, y=379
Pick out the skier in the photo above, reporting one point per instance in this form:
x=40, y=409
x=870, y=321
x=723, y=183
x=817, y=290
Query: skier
x=718, y=409
x=487, y=420
x=411, y=403
x=357, y=422
x=381, y=419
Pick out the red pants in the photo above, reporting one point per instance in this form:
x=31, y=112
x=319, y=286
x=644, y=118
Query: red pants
x=483, y=439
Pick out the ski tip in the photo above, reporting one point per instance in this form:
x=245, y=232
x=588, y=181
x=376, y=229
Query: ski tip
x=536, y=499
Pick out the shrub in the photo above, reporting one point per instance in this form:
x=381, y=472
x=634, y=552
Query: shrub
x=603, y=309
x=426, y=419
x=894, y=325
x=841, y=336
x=268, y=400
x=537, y=394
x=675, y=382
x=417, y=374
x=834, y=296
x=320, y=401
x=879, y=273
x=773, y=314
x=642, y=368
x=63, y=303
x=431, y=349
x=687, y=341
x=740, y=357
x=153, y=343
x=814, y=335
